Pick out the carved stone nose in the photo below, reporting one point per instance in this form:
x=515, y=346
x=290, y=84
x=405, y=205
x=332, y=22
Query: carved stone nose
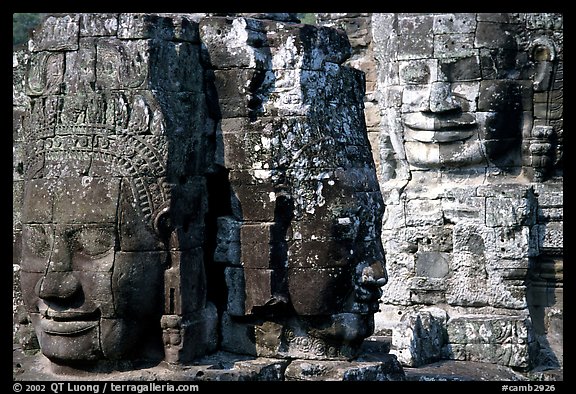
x=58, y=282
x=57, y=285
x=375, y=274
x=441, y=99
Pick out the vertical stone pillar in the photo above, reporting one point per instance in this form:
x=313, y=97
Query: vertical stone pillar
x=23, y=333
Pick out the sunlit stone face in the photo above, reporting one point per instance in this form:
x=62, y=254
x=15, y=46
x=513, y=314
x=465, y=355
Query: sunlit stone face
x=306, y=264
x=89, y=295
x=310, y=255
x=452, y=119
x=459, y=100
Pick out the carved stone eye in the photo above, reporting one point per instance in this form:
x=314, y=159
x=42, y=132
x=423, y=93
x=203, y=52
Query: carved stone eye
x=94, y=241
x=38, y=240
x=346, y=228
x=415, y=73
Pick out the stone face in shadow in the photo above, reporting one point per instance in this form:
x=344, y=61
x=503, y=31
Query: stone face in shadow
x=114, y=192
x=136, y=124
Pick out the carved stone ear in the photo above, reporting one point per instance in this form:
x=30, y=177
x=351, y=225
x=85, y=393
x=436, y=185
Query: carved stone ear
x=163, y=224
x=543, y=53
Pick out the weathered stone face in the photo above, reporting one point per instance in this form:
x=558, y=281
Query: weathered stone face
x=303, y=242
x=114, y=195
x=459, y=93
x=461, y=96
x=79, y=288
x=335, y=259
x=131, y=116
x=124, y=115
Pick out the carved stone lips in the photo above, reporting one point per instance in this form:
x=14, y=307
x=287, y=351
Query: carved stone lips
x=433, y=128
x=74, y=323
x=369, y=295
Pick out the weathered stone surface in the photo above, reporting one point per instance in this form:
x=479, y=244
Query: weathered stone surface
x=228, y=241
x=308, y=300
x=423, y=212
x=114, y=129
x=223, y=366
x=462, y=371
x=219, y=366
x=384, y=370
x=191, y=337
x=467, y=148
x=416, y=42
x=487, y=196
x=231, y=367
x=22, y=331
x=503, y=340
x=294, y=338
x=46, y=73
x=293, y=139
x=420, y=338
x=56, y=33
x=98, y=24
x=551, y=235
x=237, y=337
x=235, y=284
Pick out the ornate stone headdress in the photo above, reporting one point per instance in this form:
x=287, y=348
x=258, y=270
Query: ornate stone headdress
x=78, y=128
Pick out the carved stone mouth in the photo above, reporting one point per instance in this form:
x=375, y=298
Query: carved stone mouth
x=67, y=328
x=438, y=136
x=68, y=323
x=435, y=128
x=369, y=296
x=438, y=122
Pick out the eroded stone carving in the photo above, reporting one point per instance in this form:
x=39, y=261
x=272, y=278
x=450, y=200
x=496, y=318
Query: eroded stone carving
x=170, y=159
x=464, y=90
x=235, y=144
x=304, y=262
x=472, y=104
x=114, y=198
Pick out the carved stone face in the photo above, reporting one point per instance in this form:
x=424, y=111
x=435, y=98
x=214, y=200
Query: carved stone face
x=115, y=199
x=304, y=259
x=93, y=289
x=450, y=120
x=335, y=258
x=458, y=99
x=309, y=240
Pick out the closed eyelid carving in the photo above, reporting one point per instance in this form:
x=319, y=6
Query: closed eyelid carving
x=415, y=73
x=93, y=241
x=38, y=239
